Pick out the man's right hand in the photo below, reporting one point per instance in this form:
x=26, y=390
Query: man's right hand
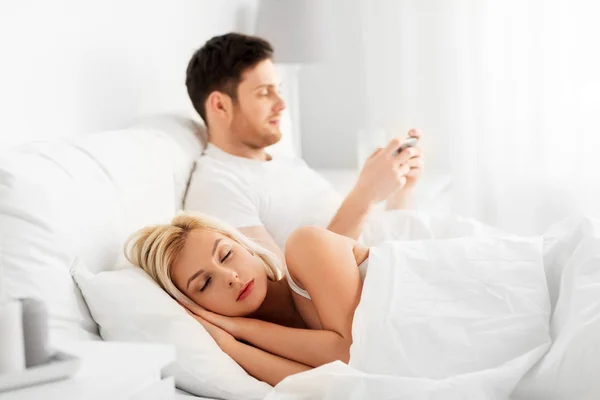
x=383, y=173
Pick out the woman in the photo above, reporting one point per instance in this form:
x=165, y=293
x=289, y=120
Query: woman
x=270, y=326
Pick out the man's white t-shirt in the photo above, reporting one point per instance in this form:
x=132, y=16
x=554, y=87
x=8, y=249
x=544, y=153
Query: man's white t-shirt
x=281, y=194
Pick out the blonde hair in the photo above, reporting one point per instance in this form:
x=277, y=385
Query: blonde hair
x=156, y=248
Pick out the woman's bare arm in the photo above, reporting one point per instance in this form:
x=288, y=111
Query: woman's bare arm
x=306, y=346
x=260, y=364
x=325, y=264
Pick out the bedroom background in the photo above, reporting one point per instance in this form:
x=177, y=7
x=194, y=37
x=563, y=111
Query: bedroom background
x=506, y=93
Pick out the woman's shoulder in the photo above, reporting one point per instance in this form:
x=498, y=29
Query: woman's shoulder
x=312, y=238
x=306, y=235
x=305, y=242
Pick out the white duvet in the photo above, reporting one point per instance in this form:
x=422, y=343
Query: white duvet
x=452, y=309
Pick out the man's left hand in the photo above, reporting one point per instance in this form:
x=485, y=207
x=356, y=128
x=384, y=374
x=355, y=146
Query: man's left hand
x=415, y=162
x=414, y=159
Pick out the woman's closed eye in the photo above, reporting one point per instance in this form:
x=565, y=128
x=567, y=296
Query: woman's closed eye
x=206, y=283
x=226, y=256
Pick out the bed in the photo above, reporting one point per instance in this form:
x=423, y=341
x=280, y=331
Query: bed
x=67, y=205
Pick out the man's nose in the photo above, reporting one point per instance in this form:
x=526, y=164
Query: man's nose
x=280, y=105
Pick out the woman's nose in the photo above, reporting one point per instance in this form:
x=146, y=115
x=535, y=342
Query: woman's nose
x=234, y=278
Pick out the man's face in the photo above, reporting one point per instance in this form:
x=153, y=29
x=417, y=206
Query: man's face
x=257, y=113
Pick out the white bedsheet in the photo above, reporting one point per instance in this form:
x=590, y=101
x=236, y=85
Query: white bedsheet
x=467, y=318
x=181, y=395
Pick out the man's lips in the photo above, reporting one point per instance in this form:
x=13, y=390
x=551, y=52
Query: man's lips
x=275, y=120
x=245, y=290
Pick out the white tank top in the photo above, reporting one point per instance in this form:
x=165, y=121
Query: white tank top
x=362, y=270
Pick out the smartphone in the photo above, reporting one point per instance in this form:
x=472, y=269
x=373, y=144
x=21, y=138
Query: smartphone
x=410, y=142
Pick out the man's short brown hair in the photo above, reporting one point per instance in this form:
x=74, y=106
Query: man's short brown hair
x=219, y=65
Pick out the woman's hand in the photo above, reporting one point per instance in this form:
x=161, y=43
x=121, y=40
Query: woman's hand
x=219, y=335
x=214, y=323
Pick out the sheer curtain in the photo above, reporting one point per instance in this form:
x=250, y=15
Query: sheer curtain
x=508, y=94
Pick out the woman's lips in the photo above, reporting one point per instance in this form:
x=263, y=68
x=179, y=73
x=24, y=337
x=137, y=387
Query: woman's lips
x=246, y=290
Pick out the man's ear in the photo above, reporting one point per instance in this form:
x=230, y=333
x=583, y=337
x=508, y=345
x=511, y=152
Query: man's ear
x=220, y=105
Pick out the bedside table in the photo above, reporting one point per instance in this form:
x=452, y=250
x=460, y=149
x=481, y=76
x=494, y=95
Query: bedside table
x=109, y=370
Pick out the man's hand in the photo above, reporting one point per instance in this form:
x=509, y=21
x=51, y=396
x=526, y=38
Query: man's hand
x=415, y=162
x=385, y=175
x=401, y=198
x=386, y=172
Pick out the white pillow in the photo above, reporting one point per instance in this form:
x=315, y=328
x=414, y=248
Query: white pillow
x=79, y=198
x=37, y=236
x=138, y=310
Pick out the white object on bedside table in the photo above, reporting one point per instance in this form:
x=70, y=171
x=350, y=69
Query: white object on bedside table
x=58, y=366
x=109, y=370
x=12, y=353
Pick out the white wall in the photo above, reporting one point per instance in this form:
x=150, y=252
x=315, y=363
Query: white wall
x=73, y=67
x=333, y=95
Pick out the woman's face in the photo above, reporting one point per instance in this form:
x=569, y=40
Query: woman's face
x=219, y=274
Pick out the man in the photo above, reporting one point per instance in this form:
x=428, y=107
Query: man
x=233, y=85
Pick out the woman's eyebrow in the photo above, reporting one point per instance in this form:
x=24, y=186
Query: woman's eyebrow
x=215, y=246
x=201, y=271
x=196, y=274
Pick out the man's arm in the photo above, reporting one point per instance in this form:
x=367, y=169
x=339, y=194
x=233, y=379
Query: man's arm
x=401, y=200
x=383, y=174
x=351, y=216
